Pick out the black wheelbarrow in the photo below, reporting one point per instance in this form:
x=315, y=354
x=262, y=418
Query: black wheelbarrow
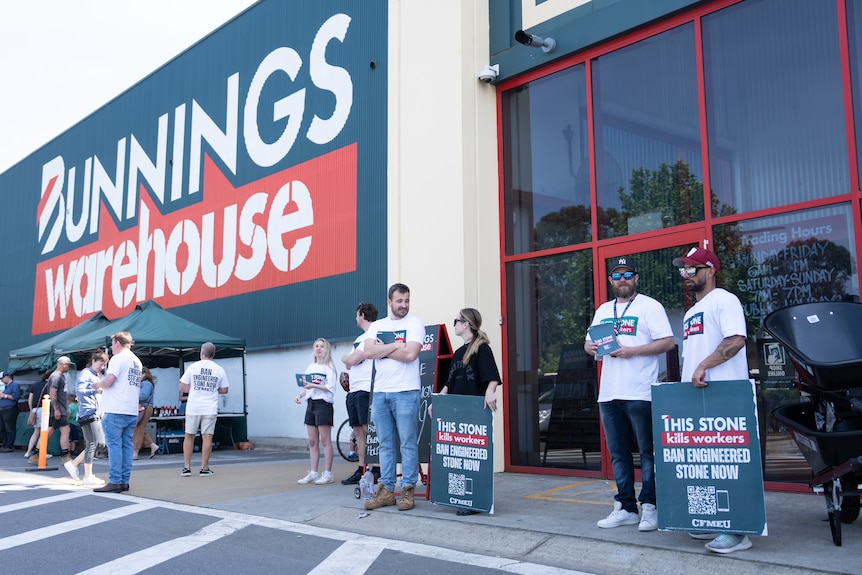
x=825, y=347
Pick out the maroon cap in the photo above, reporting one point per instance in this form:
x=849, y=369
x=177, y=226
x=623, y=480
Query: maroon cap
x=698, y=257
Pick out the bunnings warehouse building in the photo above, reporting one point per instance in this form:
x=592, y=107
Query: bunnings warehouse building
x=306, y=155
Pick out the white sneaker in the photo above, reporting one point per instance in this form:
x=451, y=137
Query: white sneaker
x=92, y=480
x=728, y=543
x=649, y=518
x=28, y=455
x=72, y=469
x=618, y=517
x=312, y=476
x=324, y=479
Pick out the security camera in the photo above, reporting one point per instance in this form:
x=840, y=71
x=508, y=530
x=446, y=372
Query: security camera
x=489, y=73
x=546, y=44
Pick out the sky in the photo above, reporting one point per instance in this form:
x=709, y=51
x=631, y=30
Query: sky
x=61, y=60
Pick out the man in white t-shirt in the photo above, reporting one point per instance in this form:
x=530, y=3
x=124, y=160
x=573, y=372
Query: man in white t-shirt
x=358, y=397
x=204, y=381
x=395, y=404
x=643, y=332
x=713, y=348
x=119, y=402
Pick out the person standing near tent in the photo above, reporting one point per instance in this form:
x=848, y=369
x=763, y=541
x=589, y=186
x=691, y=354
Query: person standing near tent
x=204, y=381
x=8, y=410
x=88, y=418
x=145, y=412
x=59, y=404
x=120, y=390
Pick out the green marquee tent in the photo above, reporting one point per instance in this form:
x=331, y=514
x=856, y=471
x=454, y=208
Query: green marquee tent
x=161, y=339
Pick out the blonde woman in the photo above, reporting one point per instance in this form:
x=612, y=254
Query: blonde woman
x=473, y=370
x=320, y=382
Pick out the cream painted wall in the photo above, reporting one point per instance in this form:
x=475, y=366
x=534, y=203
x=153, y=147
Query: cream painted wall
x=443, y=232
x=443, y=185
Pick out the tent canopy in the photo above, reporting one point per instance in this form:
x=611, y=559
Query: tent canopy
x=161, y=339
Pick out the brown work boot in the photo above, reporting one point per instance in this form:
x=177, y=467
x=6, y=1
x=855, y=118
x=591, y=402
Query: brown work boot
x=406, y=501
x=382, y=498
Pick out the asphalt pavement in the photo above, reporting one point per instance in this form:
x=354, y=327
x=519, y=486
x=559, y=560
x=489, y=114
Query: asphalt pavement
x=543, y=519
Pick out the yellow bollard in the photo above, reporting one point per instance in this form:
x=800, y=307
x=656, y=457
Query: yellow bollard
x=43, y=435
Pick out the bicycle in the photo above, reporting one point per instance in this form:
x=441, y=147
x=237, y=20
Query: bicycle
x=345, y=441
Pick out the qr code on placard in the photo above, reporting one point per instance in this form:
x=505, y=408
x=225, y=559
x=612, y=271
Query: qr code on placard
x=457, y=484
x=702, y=500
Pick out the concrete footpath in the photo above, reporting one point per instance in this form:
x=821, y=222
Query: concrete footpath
x=543, y=519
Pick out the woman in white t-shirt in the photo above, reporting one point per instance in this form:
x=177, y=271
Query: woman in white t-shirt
x=320, y=380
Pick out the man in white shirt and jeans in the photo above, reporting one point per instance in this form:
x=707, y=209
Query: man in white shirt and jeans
x=119, y=402
x=204, y=381
x=395, y=403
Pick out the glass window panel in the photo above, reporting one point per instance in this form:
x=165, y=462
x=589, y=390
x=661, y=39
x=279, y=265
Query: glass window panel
x=546, y=171
x=649, y=174
x=550, y=306
x=798, y=257
x=854, y=34
x=775, y=117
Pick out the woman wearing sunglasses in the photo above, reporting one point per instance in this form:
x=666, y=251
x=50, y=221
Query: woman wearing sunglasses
x=473, y=370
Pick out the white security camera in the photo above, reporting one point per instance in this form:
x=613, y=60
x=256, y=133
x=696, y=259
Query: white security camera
x=489, y=73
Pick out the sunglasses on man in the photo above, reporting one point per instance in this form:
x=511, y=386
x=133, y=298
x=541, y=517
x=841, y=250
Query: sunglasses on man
x=690, y=271
x=617, y=276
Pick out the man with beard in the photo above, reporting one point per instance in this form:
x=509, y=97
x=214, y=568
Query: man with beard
x=643, y=332
x=713, y=348
x=394, y=342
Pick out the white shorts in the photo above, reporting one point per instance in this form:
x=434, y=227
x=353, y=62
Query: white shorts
x=206, y=423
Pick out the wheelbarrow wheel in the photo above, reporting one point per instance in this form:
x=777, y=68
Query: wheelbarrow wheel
x=850, y=509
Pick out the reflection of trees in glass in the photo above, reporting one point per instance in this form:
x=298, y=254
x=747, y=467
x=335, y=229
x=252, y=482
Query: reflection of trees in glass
x=564, y=302
x=673, y=193
x=567, y=226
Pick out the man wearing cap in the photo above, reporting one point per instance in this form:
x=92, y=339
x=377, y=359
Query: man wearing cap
x=713, y=347
x=59, y=404
x=8, y=411
x=643, y=333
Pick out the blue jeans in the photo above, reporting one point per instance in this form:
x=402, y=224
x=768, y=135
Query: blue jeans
x=119, y=430
x=621, y=419
x=397, y=411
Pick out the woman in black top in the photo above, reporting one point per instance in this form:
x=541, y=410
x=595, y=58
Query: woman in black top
x=473, y=370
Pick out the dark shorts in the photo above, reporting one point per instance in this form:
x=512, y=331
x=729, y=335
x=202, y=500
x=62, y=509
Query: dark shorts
x=58, y=423
x=74, y=433
x=357, y=407
x=319, y=412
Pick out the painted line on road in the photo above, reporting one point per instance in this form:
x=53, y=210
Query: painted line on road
x=68, y=526
x=546, y=495
x=351, y=558
x=60, y=498
x=149, y=558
